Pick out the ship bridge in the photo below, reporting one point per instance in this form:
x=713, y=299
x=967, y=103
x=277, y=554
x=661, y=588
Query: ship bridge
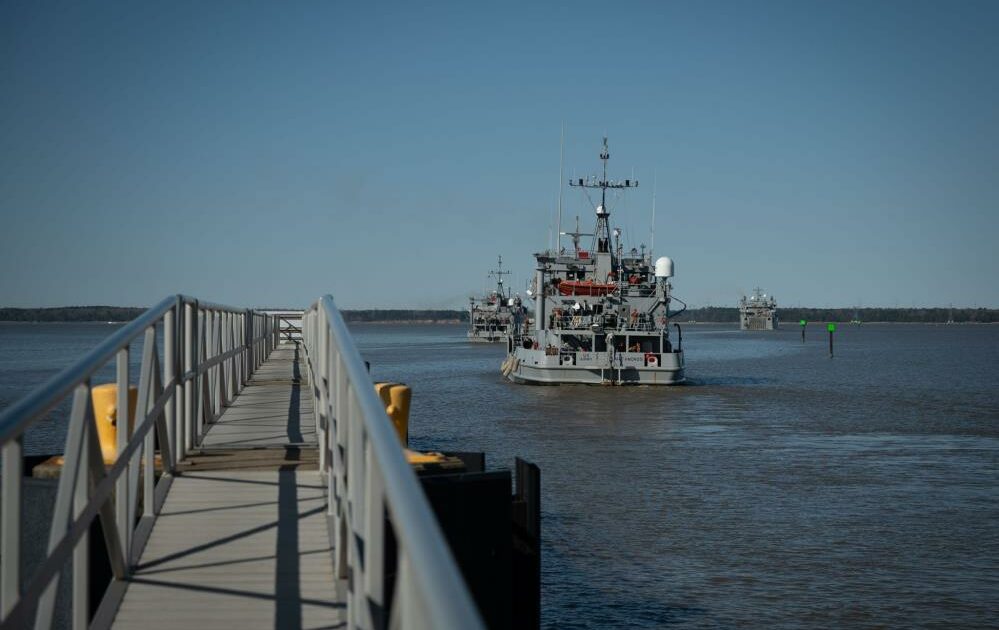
x=259, y=484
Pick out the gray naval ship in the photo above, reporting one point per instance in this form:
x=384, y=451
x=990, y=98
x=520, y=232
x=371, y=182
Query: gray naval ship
x=491, y=317
x=601, y=315
x=758, y=312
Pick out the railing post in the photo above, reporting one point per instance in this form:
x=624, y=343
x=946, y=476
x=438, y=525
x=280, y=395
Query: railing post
x=185, y=439
x=169, y=372
x=124, y=422
x=247, y=346
x=208, y=350
x=321, y=410
x=356, y=491
x=330, y=384
x=235, y=383
x=342, y=431
x=374, y=542
x=201, y=379
x=10, y=521
x=206, y=393
x=81, y=552
x=257, y=346
x=149, y=446
x=223, y=363
x=217, y=380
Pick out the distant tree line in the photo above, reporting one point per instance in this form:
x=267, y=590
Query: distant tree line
x=404, y=315
x=71, y=314
x=125, y=314
x=901, y=315
x=704, y=314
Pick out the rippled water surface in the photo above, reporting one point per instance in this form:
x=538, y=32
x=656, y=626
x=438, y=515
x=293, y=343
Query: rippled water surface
x=781, y=488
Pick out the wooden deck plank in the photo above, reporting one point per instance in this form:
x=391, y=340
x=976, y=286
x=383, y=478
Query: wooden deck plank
x=274, y=409
x=242, y=540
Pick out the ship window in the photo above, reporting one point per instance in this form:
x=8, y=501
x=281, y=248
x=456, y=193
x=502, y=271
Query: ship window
x=646, y=344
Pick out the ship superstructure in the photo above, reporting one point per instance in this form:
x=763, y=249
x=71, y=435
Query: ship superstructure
x=602, y=314
x=758, y=311
x=493, y=316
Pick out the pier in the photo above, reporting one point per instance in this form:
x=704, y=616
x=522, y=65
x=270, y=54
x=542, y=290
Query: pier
x=261, y=486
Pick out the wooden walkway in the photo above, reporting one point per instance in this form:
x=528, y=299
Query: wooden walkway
x=242, y=540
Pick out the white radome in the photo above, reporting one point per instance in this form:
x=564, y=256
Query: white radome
x=664, y=267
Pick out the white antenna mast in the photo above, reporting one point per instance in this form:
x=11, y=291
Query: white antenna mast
x=652, y=245
x=558, y=225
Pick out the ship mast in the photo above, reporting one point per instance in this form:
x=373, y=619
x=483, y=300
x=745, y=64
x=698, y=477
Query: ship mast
x=603, y=215
x=498, y=273
x=575, y=237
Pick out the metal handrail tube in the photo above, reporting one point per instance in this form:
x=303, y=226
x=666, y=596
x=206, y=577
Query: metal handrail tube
x=210, y=306
x=445, y=596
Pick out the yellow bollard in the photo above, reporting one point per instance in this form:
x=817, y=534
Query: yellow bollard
x=396, y=398
x=105, y=399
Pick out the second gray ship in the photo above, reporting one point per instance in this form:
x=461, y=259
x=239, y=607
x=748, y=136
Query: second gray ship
x=492, y=317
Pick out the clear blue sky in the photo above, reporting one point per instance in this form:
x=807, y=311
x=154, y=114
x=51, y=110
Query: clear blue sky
x=834, y=153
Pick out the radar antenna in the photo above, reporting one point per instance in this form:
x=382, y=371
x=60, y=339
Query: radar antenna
x=603, y=230
x=575, y=236
x=498, y=273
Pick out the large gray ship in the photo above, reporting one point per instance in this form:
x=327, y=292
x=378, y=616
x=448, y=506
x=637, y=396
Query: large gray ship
x=491, y=317
x=758, y=312
x=601, y=315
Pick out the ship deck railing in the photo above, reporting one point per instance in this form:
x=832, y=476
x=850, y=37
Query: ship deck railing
x=580, y=324
x=199, y=362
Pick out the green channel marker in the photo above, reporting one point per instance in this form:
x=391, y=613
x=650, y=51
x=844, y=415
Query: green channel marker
x=831, y=327
x=802, y=322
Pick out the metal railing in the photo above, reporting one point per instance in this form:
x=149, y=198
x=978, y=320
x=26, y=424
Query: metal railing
x=289, y=325
x=208, y=353
x=642, y=322
x=370, y=484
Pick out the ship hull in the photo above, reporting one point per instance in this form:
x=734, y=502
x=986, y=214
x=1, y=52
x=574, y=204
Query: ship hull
x=494, y=338
x=535, y=367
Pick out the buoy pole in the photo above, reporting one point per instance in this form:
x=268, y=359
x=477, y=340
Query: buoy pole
x=803, y=324
x=831, y=328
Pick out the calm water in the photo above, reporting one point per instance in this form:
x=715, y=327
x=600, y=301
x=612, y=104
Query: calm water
x=780, y=489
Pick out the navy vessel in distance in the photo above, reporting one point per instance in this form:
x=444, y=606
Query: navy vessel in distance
x=601, y=314
x=491, y=317
x=758, y=312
